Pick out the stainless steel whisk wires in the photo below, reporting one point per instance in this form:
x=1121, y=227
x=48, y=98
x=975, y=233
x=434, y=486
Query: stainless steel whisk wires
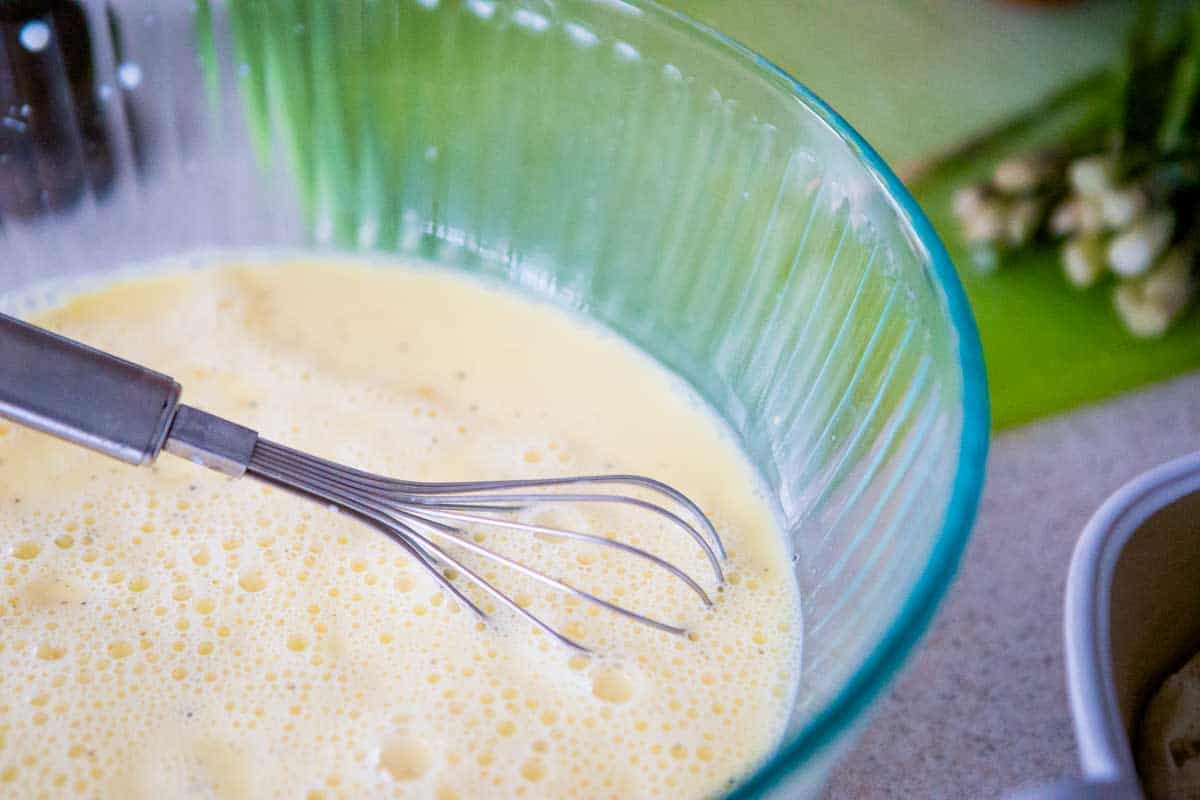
x=427, y=518
x=96, y=400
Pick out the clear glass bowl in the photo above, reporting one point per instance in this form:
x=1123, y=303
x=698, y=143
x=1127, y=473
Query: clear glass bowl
x=610, y=156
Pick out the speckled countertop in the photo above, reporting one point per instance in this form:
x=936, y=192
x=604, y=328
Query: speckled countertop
x=982, y=708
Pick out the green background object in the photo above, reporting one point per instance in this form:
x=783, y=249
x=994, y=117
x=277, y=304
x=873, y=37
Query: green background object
x=917, y=77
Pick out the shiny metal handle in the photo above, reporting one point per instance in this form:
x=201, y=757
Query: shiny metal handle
x=83, y=395
x=211, y=441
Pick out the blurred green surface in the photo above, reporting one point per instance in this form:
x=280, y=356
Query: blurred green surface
x=916, y=77
x=1049, y=347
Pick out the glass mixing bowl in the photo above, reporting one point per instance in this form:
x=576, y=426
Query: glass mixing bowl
x=609, y=156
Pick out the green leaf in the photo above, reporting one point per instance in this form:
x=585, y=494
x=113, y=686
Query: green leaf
x=1143, y=92
x=1158, y=88
x=1179, y=116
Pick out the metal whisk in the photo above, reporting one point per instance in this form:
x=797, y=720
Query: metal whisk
x=124, y=410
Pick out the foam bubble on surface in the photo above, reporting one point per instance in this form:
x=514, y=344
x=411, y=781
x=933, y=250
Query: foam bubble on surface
x=169, y=632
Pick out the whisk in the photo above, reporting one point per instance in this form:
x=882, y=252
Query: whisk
x=94, y=399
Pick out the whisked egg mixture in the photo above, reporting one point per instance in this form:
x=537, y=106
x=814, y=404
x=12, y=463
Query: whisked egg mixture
x=168, y=632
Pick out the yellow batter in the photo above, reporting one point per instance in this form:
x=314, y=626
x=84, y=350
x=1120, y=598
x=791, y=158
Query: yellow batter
x=168, y=632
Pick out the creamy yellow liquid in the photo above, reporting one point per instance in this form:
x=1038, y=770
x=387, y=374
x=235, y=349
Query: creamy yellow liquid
x=169, y=632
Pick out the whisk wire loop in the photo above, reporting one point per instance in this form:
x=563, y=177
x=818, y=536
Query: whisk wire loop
x=414, y=514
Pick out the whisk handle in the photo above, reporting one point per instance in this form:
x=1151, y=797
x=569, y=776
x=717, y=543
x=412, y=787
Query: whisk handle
x=83, y=395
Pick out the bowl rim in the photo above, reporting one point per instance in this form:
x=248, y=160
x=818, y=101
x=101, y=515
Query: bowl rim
x=1105, y=755
x=890, y=653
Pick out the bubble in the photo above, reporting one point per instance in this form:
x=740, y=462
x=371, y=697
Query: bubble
x=612, y=685
x=26, y=551
x=120, y=649
x=35, y=36
x=49, y=652
x=129, y=75
x=533, y=770
x=404, y=758
x=252, y=581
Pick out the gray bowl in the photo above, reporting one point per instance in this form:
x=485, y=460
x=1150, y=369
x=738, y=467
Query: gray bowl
x=1132, y=619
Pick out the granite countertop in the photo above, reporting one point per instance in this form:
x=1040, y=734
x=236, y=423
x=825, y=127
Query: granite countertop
x=982, y=707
